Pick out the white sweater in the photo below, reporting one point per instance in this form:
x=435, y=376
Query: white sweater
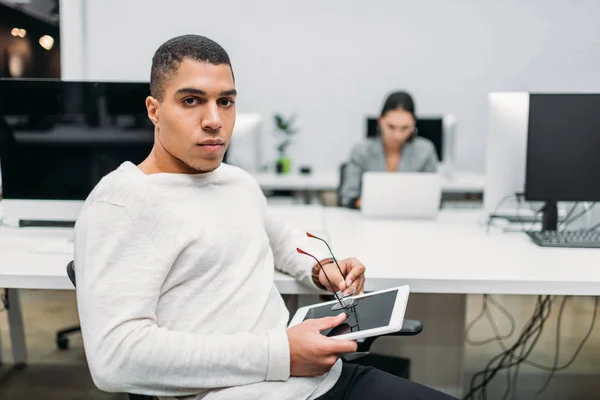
x=175, y=287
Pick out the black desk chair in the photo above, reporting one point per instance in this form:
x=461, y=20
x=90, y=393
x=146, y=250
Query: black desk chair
x=62, y=339
x=340, y=183
x=409, y=328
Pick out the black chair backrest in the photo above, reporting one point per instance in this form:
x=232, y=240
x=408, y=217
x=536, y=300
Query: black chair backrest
x=71, y=274
x=340, y=184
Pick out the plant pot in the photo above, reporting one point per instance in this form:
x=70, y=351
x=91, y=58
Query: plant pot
x=284, y=165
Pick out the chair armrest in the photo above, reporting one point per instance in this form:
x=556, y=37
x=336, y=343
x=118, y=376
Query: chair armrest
x=409, y=328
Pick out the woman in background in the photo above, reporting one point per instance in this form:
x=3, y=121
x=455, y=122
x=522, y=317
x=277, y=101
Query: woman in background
x=397, y=148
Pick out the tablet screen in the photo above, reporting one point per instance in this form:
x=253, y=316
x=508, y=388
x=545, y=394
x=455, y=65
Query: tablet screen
x=368, y=312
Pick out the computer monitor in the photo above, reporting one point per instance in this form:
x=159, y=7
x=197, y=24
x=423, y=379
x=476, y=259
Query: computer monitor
x=563, y=151
x=57, y=140
x=124, y=105
x=245, y=144
x=508, y=116
x=439, y=129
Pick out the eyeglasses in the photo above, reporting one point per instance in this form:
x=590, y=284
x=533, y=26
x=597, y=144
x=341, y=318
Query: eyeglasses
x=344, y=301
x=351, y=289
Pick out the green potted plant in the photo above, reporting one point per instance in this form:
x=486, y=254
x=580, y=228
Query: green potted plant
x=287, y=131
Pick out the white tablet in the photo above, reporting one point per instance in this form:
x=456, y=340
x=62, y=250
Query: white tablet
x=372, y=314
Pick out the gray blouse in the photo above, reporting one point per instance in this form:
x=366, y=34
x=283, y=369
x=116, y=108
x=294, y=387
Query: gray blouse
x=418, y=155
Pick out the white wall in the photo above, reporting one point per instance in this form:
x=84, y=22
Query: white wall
x=73, y=29
x=332, y=62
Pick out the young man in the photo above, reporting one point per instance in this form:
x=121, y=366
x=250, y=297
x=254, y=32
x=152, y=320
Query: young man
x=174, y=262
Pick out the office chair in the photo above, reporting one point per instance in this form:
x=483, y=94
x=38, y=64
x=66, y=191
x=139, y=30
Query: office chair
x=409, y=328
x=343, y=168
x=340, y=184
x=62, y=340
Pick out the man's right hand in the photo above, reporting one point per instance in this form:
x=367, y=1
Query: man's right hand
x=312, y=353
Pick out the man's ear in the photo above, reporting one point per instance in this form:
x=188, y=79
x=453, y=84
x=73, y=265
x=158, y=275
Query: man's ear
x=153, y=105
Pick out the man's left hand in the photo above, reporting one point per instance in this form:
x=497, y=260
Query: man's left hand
x=354, y=271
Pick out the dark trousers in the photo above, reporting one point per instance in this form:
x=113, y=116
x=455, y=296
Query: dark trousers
x=359, y=382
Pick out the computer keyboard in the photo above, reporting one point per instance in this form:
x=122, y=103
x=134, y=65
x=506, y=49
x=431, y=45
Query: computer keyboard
x=580, y=239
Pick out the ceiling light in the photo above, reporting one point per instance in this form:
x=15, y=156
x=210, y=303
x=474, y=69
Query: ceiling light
x=47, y=42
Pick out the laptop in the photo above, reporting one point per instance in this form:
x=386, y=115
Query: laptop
x=401, y=195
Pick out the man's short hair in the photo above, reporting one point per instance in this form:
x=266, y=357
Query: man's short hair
x=170, y=54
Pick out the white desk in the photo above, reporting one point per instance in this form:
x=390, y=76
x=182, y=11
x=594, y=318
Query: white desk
x=316, y=181
x=457, y=182
x=453, y=254
x=463, y=182
x=23, y=266
x=450, y=255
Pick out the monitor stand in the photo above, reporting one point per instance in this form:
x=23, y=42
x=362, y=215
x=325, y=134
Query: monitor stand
x=550, y=216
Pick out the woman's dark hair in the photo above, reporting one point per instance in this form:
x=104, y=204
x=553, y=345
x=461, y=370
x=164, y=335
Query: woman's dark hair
x=399, y=101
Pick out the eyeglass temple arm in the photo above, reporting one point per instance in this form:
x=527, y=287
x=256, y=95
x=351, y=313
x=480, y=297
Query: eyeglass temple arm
x=299, y=250
x=310, y=235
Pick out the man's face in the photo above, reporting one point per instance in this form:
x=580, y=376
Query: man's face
x=195, y=119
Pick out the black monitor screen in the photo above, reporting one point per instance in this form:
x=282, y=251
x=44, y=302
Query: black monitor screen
x=563, y=148
x=429, y=128
x=58, y=139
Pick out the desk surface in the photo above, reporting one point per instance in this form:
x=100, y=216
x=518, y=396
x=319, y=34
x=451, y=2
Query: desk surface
x=458, y=182
x=452, y=254
x=26, y=262
x=327, y=180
